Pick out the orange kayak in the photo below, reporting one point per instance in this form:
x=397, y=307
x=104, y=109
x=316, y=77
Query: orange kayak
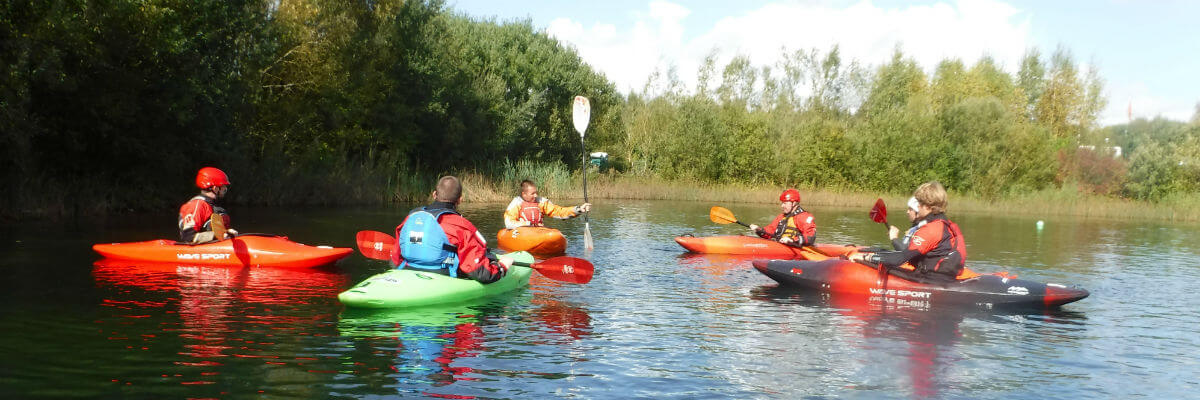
x=751, y=245
x=537, y=240
x=247, y=251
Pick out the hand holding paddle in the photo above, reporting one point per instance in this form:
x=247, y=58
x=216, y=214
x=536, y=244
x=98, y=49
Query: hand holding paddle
x=378, y=245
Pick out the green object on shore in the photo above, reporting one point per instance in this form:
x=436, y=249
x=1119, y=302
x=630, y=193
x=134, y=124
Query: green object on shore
x=415, y=288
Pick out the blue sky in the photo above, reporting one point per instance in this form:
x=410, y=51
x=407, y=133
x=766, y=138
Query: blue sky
x=1147, y=52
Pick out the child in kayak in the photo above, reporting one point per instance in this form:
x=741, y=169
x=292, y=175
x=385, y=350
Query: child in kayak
x=437, y=239
x=201, y=220
x=528, y=208
x=793, y=226
x=934, y=246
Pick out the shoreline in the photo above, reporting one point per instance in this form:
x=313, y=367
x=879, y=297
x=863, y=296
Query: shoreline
x=1055, y=202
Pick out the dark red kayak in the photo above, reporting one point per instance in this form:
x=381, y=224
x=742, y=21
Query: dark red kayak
x=988, y=291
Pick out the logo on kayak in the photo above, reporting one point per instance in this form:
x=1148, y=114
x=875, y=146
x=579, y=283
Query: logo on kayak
x=202, y=256
x=756, y=245
x=1017, y=290
x=568, y=269
x=902, y=293
x=797, y=271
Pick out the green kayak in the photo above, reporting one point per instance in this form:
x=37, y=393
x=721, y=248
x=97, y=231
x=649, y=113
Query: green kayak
x=413, y=288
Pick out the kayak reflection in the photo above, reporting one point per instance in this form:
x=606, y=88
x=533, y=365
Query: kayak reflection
x=433, y=345
x=222, y=316
x=928, y=331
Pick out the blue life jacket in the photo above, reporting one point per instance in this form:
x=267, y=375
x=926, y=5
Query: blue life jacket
x=423, y=242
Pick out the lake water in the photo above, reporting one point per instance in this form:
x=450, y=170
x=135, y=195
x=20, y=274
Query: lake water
x=655, y=322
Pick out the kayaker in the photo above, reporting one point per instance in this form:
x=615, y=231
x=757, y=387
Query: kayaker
x=794, y=225
x=201, y=220
x=528, y=208
x=437, y=238
x=901, y=243
x=935, y=246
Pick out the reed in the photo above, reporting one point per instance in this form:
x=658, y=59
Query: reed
x=564, y=186
x=500, y=184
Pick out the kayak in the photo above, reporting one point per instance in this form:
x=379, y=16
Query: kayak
x=414, y=288
x=752, y=245
x=246, y=251
x=848, y=277
x=534, y=239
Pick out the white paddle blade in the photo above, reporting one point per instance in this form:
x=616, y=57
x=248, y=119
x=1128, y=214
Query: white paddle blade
x=582, y=114
x=587, y=237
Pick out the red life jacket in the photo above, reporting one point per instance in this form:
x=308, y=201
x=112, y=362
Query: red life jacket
x=949, y=256
x=532, y=212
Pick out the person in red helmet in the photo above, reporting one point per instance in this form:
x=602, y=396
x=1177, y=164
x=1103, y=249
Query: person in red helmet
x=793, y=226
x=201, y=220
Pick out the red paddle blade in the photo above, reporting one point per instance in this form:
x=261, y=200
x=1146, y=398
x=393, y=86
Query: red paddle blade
x=566, y=269
x=879, y=212
x=376, y=245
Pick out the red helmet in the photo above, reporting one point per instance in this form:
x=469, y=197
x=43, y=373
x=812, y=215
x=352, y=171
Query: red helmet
x=209, y=177
x=790, y=195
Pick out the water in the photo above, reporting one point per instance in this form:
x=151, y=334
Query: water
x=654, y=322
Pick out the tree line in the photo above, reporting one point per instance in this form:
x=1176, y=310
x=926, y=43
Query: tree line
x=113, y=105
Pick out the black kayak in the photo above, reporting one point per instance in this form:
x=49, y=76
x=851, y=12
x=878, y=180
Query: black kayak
x=987, y=291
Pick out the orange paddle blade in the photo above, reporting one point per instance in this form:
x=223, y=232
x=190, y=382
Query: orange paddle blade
x=721, y=215
x=375, y=245
x=566, y=269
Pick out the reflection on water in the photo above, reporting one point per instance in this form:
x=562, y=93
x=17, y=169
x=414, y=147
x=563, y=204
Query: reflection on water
x=655, y=322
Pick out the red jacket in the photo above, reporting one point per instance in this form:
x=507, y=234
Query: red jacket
x=473, y=261
x=195, y=216
x=799, y=227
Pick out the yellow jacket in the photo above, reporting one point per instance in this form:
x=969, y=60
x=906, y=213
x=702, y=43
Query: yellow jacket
x=513, y=218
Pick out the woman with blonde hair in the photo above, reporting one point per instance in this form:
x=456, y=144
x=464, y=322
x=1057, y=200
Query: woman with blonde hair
x=934, y=246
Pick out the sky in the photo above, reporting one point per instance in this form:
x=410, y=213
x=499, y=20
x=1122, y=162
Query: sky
x=1146, y=52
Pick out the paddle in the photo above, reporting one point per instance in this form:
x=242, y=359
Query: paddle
x=879, y=214
x=378, y=245
x=581, y=114
x=722, y=215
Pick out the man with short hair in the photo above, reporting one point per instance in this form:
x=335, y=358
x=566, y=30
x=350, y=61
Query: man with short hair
x=438, y=239
x=528, y=208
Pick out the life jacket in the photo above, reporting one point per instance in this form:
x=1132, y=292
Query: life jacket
x=531, y=211
x=789, y=226
x=424, y=244
x=188, y=227
x=947, y=258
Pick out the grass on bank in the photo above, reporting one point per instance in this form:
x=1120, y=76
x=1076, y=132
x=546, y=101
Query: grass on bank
x=566, y=187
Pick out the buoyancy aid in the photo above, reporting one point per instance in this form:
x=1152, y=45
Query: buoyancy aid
x=189, y=226
x=949, y=255
x=423, y=242
x=531, y=211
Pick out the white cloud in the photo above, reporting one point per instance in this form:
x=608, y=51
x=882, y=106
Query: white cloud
x=1137, y=98
x=864, y=32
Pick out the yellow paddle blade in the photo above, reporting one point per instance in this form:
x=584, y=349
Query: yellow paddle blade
x=721, y=215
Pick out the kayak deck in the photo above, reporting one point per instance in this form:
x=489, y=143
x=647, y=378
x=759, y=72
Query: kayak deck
x=841, y=276
x=534, y=239
x=409, y=287
x=247, y=251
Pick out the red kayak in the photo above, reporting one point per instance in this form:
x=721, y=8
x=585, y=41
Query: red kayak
x=752, y=245
x=246, y=250
x=848, y=277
